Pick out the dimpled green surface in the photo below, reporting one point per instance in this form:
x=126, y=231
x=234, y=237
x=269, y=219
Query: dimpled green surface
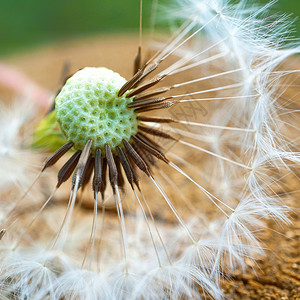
x=88, y=107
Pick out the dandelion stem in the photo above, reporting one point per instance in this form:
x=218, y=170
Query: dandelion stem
x=216, y=126
x=215, y=98
x=163, y=74
x=9, y=214
x=188, y=38
x=141, y=24
x=160, y=56
x=94, y=228
x=177, y=190
x=207, y=77
x=122, y=224
x=153, y=17
x=36, y=216
x=77, y=180
x=179, y=65
x=209, y=195
x=148, y=225
x=202, y=125
x=214, y=154
x=196, y=55
x=100, y=237
x=189, y=234
x=156, y=229
x=220, y=88
x=182, y=31
x=91, y=242
x=66, y=221
x=198, y=63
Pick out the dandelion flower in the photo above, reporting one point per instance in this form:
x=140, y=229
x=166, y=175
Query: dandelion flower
x=216, y=177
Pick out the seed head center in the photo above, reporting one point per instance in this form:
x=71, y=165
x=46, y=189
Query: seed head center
x=88, y=108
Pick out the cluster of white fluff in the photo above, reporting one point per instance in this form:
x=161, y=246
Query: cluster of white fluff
x=234, y=160
x=18, y=164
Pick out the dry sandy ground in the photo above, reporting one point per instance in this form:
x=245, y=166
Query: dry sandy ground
x=276, y=276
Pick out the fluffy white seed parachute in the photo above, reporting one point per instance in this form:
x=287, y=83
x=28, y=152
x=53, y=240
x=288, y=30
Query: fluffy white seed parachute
x=226, y=73
x=13, y=118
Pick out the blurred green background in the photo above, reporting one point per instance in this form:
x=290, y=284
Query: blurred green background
x=25, y=24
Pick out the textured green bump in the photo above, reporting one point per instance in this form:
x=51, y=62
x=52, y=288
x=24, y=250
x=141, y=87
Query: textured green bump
x=88, y=107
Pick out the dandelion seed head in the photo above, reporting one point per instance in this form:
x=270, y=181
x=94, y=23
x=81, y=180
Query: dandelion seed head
x=88, y=107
